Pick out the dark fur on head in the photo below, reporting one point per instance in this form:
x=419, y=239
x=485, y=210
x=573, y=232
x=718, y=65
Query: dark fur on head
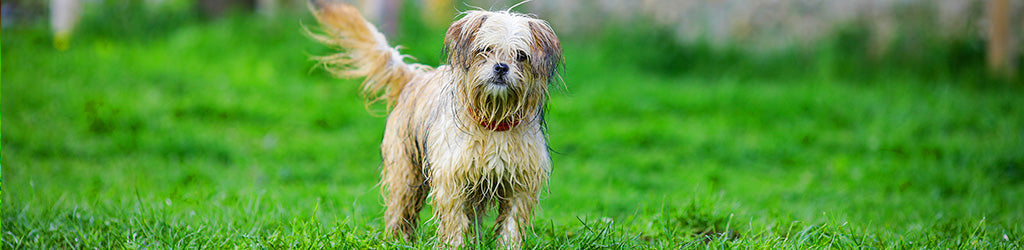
x=546, y=45
x=458, y=41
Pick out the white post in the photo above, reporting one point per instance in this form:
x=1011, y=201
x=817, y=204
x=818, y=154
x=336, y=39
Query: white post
x=63, y=17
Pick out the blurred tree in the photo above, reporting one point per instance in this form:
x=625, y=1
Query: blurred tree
x=1001, y=48
x=267, y=7
x=383, y=13
x=438, y=13
x=217, y=8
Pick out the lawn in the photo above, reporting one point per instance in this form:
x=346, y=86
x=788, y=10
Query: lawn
x=223, y=134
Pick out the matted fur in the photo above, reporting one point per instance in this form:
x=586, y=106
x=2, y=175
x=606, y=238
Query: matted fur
x=499, y=65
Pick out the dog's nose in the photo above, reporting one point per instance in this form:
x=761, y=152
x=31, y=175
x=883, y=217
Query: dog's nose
x=501, y=69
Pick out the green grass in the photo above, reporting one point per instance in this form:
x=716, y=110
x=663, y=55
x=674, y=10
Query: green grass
x=222, y=134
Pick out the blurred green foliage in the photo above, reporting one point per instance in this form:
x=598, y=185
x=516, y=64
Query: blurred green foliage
x=166, y=131
x=847, y=54
x=127, y=20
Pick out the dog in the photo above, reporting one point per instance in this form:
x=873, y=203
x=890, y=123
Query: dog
x=467, y=134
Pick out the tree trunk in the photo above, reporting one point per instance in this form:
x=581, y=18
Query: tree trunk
x=1001, y=47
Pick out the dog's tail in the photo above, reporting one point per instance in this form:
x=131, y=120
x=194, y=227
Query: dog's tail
x=363, y=52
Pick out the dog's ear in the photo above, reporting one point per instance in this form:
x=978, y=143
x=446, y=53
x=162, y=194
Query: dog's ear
x=546, y=49
x=458, y=41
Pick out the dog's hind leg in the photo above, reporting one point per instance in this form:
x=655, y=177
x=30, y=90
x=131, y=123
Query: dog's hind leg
x=405, y=191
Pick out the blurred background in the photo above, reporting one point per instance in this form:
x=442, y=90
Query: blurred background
x=134, y=122
x=961, y=30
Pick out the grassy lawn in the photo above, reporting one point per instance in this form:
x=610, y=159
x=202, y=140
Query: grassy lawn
x=223, y=134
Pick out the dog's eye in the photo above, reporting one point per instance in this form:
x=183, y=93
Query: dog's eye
x=484, y=50
x=521, y=56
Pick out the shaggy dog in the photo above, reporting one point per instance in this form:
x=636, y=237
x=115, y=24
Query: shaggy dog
x=467, y=134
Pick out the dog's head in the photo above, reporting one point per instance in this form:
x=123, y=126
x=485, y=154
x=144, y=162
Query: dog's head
x=506, y=61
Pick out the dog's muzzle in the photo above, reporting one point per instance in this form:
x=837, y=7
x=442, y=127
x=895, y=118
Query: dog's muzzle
x=500, y=70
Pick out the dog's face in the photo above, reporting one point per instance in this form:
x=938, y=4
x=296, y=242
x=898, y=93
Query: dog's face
x=506, y=61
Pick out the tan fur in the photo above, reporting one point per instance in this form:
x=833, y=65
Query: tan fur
x=435, y=144
x=368, y=55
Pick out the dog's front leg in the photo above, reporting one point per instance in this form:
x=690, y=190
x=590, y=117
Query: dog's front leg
x=514, y=216
x=450, y=212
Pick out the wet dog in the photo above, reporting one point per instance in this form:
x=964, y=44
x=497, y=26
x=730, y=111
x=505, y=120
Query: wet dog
x=467, y=134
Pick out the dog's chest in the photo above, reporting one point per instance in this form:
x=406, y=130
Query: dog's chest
x=488, y=155
x=495, y=155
